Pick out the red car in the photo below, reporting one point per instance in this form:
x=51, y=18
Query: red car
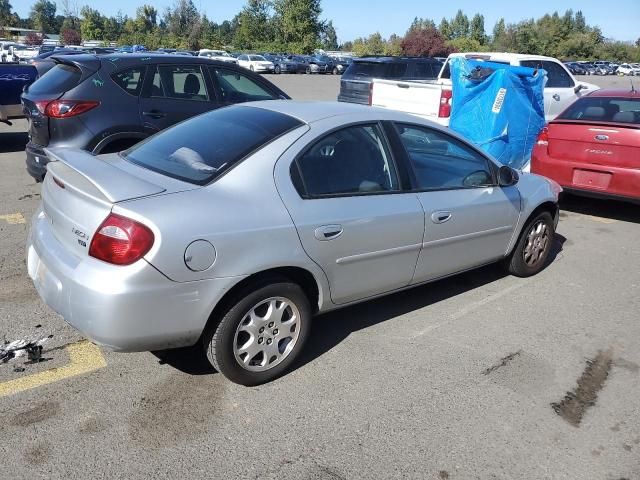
x=593, y=147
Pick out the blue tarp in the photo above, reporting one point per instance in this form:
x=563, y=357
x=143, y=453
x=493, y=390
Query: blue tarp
x=498, y=107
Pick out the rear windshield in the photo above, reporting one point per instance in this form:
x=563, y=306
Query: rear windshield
x=202, y=148
x=603, y=109
x=59, y=79
x=376, y=70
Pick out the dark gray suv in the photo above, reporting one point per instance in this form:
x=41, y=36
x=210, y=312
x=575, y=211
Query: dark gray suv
x=108, y=103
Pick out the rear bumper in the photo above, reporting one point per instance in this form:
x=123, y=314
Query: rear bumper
x=597, y=180
x=131, y=308
x=36, y=161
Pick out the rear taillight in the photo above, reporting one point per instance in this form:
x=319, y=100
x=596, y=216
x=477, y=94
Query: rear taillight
x=543, y=137
x=121, y=241
x=371, y=94
x=445, y=104
x=64, y=108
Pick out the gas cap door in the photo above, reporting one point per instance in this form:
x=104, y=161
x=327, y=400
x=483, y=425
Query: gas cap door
x=199, y=255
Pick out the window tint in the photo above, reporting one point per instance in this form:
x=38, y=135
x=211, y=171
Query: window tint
x=349, y=161
x=443, y=162
x=57, y=80
x=618, y=110
x=183, y=82
x=130, y=80
x=557, y=77
x=200, y=149
x=235, y=87
x=425, y=70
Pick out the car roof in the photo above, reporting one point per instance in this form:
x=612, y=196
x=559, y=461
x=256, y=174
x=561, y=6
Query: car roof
x=616, y=92
x=395, y=59
x=506, y=56
x=145, y=57
x=313, y=111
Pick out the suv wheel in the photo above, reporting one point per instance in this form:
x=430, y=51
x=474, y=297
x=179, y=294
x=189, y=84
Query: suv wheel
x=262, y=333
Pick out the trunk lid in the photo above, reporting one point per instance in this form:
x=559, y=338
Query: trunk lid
x=599, y=144
x=80, y=190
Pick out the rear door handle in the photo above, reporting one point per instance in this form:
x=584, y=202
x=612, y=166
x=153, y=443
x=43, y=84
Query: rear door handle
x=328, y=232
x=440, y=217
x=154, y=114
x=556, y=97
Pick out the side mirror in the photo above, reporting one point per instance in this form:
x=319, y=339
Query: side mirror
x=580, y=87
x=507, y=176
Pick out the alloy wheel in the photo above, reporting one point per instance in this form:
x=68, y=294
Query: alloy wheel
x=537, y=244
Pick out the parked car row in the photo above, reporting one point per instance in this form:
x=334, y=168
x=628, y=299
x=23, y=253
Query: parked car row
x=12, y=52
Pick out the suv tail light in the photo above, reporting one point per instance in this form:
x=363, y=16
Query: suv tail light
x=64, y=108
x=445, y=104
x=543, y=137
x=121, y=241
x=371, y=94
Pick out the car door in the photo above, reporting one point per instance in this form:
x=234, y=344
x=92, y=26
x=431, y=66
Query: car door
x=353, y=219
x=559, y=92
x=173, y=93
x=469, y=220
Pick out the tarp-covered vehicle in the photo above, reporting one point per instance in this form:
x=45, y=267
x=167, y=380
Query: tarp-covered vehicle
x=498, y=107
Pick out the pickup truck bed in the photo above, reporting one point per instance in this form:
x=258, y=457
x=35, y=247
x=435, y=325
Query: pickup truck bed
x=13, y=78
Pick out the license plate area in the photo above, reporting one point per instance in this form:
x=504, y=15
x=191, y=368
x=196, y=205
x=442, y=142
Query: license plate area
x=591, y=179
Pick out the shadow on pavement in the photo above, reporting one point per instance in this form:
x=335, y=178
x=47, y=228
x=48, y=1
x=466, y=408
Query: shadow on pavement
x=614, y=209
x=332, y=328
x=13, y=141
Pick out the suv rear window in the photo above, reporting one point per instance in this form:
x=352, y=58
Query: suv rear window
x=376, y=70
x=59, y=79
x=189, y=152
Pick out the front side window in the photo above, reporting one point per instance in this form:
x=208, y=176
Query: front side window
x=441, y=162
x=235, y=87
x=130, y=80
x=353, y=160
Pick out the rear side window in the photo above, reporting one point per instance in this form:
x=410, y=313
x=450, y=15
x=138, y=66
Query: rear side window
x=617, y=110
x=190, y=152
x=366, y=70
x=235, y=87
x=59, y=79
x=130, y=80
x=426, y=70
x=181, y=82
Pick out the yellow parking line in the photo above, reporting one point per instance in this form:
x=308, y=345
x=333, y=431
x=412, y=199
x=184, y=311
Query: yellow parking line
x=13, y=218
x=84, y=357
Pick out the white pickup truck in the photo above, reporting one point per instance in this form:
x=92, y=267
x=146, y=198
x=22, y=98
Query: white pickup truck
x=431, y=99
x=14, y=52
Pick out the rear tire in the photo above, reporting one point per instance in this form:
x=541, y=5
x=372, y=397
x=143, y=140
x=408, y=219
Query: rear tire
x=252, y=329
x=277, y=70
x=308, y=71
x=530, y=254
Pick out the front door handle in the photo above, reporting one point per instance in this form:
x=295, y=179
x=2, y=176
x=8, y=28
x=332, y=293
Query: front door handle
x=328, y=232
x=440, y=217
x=154, y=114
x=556, y=97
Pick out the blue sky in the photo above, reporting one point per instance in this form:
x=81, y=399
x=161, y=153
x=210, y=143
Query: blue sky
x=619, y=19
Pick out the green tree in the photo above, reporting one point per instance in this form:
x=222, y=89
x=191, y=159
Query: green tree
x=254, y=24
x=43, y=16
x=460, y=25
x=499, y=35
x=180, y=19
x=329, y=37
x=580, y=22
x=445, y=29
x=465, y=44
x=393, y=45
x=476, y=29
x=91, y=24
x=146, y=18
x=6, y=19
x=298, y=22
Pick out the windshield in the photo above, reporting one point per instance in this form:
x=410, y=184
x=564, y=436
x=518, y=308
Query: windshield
x=189, y=152
x=257, y=58
x=604, y=109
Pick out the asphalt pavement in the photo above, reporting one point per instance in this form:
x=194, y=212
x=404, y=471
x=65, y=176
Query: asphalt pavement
x=481, y=375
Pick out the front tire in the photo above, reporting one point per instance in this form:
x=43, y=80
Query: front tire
x=251, y=68
x=261, y=334
x=277, y=70
x=530, y=255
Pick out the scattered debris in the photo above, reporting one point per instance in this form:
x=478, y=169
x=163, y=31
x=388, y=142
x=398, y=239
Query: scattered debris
x=31, y=347
x=19, y=369
x=443, y=475
x=38, y=326
x=574, y=405
x=503, y=362
x=29, y=195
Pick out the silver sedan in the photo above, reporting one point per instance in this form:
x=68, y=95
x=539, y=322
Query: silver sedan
x=234, y=228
